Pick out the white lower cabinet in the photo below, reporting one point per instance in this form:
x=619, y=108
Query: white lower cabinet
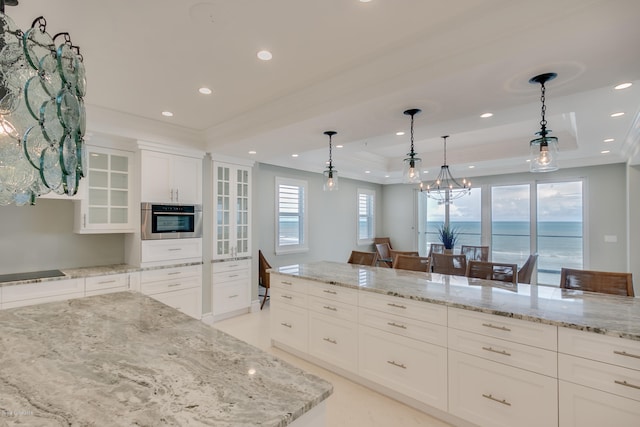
x=171, y=251
x=289, y=324
x=488, y=393
x=231, y=282
x=42, y=292
x=97, y=285
x=582, y=406
x=178, y=287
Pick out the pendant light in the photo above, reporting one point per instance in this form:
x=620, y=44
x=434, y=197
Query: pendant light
x=445, y=188
x=544, y=149
x=411, y=169
x=330, y=174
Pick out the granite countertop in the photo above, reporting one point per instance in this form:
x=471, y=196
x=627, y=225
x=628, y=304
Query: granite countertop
x=601, y=313
x=125, y=359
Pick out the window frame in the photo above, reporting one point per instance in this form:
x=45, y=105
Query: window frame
x=372, y=208
x=303, y=245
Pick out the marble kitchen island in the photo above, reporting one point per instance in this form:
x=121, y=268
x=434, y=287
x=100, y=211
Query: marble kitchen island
x=126, y=359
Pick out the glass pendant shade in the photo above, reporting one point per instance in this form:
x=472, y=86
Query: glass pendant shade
x=330, y=180
x=543, y=154
x=411, y=170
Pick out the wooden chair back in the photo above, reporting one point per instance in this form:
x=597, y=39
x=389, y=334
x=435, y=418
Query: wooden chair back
x=526, y=271
x=477, y=253
x=412, y=262
x=436, y=248
x=263, y=276
x=597, y=281
x=394, y=253
x=449, y=264
x=387, y=240
x=384, y=252
x=363, y=258
x=501, y=271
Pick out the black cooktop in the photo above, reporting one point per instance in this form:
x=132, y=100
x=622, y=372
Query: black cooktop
x=30, y=275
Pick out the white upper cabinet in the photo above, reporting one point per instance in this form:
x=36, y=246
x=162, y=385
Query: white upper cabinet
x=170, y=178
x=106, y=205
x=232, y=210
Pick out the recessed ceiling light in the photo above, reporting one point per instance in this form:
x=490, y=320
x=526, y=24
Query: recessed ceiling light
x=365, y=1
x=399, y=133
x=339, y=146
x=605, y=152
x=623, y=86
x=367, y=171
x=471, y=167
x=617, y=114
x=528, y=160
x=609, y=140
x=486, y=115
x=205, y=91
x=294, y=155
x=265, y=55
x=386, y=176
x=252, y=152
x=167, y=113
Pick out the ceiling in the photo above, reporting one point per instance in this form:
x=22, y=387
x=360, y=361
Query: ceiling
x=354, y=67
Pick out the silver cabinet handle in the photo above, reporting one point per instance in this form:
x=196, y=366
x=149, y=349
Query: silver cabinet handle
x=286, y=325
x=330, y=340
x=328, y=307
x=233, y=296
x=173, y=285
x=287, y=297
x=396, y=305
x=177, y=197
x=626, y=384
x=490, y=397
x=173, y=273
x=502, y=328
x=496, y=351
x=326, y=291
x=106, y=281
x=396, y=325
x=286, y=283
x=394, y=363
x=171, y=195
x=624, y=353
x=174, y=249
x=233, y=275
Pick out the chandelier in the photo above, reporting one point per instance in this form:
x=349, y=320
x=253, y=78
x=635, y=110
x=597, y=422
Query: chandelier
x=445, y=188
x=330, y=174
x=411, y=169
x=42, y=114
x=543, y=150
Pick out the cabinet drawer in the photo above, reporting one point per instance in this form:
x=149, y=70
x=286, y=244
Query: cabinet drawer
x=170, y=273
x=413, y=368
x=38, y=293
x=289, y=325
x=603, y=376
x=104, y=284
x=617, y=351
x=520, y=331
x=184, y=300
x=492, y=394
x=151, y=288
x=226, y=266
x=518, y=355
x=424, y=311
x=334, y=341
x=336, y=309
x=229, y=276
x=416, y=329
x=288, y=283
x=230, y=297
x=333, y=292
x=171, y=250
x=289, y=298
x=585, y=407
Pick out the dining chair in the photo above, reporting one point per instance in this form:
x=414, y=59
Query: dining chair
x=384, y=254
x=526, y=271
x=363, y=258
x=393, y=254
x=377, y=240
x=501, y=271
x=455, y=264
x=263, y=276
x=411, y=262
x=597, y=281
x=478, y=253
x=436, y=248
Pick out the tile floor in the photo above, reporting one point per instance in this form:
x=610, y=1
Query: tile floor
x=350, y=405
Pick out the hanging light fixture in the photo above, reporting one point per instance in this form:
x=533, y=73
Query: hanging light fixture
x=445, y=188
x=543, y=150
x=411, y=170
x=330, y=174
x=42, y=114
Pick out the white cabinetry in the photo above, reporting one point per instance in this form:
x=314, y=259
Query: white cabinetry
x=171, y=251
x=289, y=312
x=97, y=285
x=231, y=288
x=107, y=202
x=170, y=178
x=177, y=287
x=39, y=293
x=232, y=210
x=599, y=380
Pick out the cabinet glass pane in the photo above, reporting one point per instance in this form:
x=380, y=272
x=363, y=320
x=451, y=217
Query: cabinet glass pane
x=119, y=198
x=220, y=187
x=98, y=161
x=225, y=187
x=119, y=163
x=119, y=215
x=98, y=215
x=225, y=204
x=119, y=180
x=98, y=197
x=98, y=179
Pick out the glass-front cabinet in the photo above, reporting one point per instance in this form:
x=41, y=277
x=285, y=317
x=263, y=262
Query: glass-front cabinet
x=232, y=216
x=106, y=206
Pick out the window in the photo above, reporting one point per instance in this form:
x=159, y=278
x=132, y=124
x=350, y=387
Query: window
x=511, y=223
x=366, y=216
x=291, y=216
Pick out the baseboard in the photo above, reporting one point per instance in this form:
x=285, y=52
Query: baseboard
x=255, y=306
x=207, y=318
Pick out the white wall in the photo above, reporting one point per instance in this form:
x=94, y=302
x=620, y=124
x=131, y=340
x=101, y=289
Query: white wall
x=633, y=252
